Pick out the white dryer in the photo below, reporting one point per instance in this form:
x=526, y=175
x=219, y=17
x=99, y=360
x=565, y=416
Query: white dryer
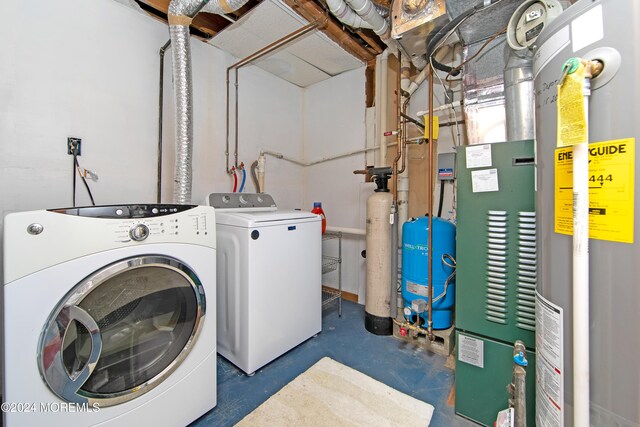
x=109, y=316
x=269, y=278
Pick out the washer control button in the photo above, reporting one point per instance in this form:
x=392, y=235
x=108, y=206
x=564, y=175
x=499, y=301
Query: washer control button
x=35, y=229
x=119, y=212
x=154, y=211
x=139, y=232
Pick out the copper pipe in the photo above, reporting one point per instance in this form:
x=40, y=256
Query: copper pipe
x=430, y=201
x=256, y=55
x=399, y=133
x=404, y=135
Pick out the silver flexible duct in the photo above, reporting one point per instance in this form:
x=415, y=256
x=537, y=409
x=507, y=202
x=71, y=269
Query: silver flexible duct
x=181, y=12
x=220, y=7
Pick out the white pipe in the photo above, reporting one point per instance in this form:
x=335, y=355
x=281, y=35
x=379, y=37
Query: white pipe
x=324, y=159
x=403, y=178
x=260, y=171
x=581, y=392
x=345, y=230
x=369, y=14
x=440, y=108
x=346, y=15
x=381, y=107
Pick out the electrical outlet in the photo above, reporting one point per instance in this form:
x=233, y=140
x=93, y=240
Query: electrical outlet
x=74, y=143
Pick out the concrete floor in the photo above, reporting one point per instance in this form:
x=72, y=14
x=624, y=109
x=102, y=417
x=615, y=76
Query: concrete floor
x=401, y=365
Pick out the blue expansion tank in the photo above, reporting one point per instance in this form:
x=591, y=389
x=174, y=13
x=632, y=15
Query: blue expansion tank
x=415, y=278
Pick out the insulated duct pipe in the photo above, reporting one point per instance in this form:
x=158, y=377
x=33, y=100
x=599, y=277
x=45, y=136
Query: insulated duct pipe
x=180, y=15
x=518, y=92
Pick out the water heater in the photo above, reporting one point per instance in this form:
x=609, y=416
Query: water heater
x=605, y=30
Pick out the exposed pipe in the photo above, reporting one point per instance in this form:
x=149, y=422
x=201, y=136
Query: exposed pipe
x=369, y=14
x=163, y=49
x=262, y=160
x=324, y=159
x=581, y=392
x=254, y=177
x=519, y=96
x=393, y=282
x=346, y=15
x=430, y=203
x=518, y=386
x=256, y=55
x=345, y=230
x=382, y=65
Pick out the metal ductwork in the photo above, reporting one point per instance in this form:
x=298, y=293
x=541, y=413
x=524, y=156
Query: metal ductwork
x=181, y=13
x=415, y=23
x=519, y=96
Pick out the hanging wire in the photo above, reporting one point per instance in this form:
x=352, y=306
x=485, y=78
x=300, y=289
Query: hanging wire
x=73, y=171
x=77, y=169
x=449, y=261
x=492, y=38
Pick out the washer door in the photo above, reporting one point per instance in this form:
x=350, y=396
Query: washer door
x=122, y=330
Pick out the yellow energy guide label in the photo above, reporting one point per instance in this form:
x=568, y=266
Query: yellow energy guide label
x=611, y=190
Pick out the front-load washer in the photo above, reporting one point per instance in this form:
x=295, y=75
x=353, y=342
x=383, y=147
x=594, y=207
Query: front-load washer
x=109, y=316
x=269, y=278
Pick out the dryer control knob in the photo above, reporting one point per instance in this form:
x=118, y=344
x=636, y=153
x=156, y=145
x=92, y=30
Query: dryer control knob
x=139, y=232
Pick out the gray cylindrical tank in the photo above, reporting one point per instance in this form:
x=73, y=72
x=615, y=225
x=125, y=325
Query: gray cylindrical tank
x=377, y=298
x=614, y=267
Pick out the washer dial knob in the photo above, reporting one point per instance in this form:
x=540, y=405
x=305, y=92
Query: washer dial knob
x=139, y=232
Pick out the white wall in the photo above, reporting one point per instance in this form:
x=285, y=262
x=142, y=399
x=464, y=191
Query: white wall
x=90, y=70
x=81, y=69
x=270, y=117
x=334, y=123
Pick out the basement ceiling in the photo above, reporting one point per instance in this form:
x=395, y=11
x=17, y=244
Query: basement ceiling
x=303, y=62
x=330, y=50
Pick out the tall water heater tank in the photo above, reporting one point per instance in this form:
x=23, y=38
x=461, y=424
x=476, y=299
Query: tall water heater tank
x=415, y=273
x=608, y=30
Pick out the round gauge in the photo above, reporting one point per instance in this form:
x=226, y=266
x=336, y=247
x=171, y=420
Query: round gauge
x=529, y=20
x=407, y=311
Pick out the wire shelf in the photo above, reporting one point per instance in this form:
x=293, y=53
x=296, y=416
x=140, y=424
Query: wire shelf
x=329, y=263
x=329, y=295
